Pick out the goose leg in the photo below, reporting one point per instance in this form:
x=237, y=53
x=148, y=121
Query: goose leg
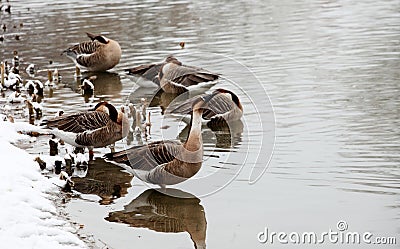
x=163, y=188
x=91, y=154
x=112, y=147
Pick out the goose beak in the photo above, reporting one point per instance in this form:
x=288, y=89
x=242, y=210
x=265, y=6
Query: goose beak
x=207, y=98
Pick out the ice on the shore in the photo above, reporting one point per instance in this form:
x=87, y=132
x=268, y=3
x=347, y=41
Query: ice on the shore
x=28, y=217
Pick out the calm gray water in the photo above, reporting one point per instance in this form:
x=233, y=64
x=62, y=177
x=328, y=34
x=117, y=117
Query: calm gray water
x=331, y=70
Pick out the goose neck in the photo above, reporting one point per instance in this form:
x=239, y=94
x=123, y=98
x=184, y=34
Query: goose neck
x=194, y=139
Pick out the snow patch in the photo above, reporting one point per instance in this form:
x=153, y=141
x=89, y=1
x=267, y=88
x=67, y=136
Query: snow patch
x=28, y=217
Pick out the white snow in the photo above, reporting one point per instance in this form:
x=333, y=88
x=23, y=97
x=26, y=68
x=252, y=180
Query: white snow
x=82, y=159
x=14, y=76
x=30, y=69
x=15, y=97
x=28, y=217
x=51, y=161
x=37, y=106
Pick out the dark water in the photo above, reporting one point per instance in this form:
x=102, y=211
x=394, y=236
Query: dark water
x=331, y=70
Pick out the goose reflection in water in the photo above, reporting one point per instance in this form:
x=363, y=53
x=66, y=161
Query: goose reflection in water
x=225, y=135
x=173, y=212
x=228, y=135
x=165, y=100
x=105, y=180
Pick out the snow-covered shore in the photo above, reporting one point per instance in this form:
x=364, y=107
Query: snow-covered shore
x=29, y=217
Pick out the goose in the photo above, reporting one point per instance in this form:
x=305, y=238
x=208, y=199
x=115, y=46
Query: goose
x=171, y=69
x=96, y=128
x=224, y=107
x=166, y=162
x=99, y=54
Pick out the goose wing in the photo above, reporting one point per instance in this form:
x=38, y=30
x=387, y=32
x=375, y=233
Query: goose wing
x=79, y=122
x=150, y=71
x=85, y=53
x=147, y=71
x=219, y=104
x=170, y=86
x=100, y=137
x=187, y=75
x=185, y=107
x=87, y=48
x=147, y=157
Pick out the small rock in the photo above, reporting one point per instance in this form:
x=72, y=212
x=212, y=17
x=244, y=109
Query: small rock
x=57, y=167
x=53, y=147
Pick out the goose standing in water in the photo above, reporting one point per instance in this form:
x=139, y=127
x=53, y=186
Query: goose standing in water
x=223, y=107
x=102, y=126
x=99, y=54
x=174, y=77
x=167, y=162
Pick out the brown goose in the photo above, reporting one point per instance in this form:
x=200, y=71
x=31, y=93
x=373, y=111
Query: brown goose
x=167, y=162
x=99, y=54
x=224, y=107
x=172, y=71
x=102, y=126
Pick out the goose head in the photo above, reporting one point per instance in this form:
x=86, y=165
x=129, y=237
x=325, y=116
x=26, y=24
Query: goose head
x=99, y=38
x=164, y=70
x=231, y=95
x=173, y=59
x=107, y=108
x=102, y=39
x=101, y=107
